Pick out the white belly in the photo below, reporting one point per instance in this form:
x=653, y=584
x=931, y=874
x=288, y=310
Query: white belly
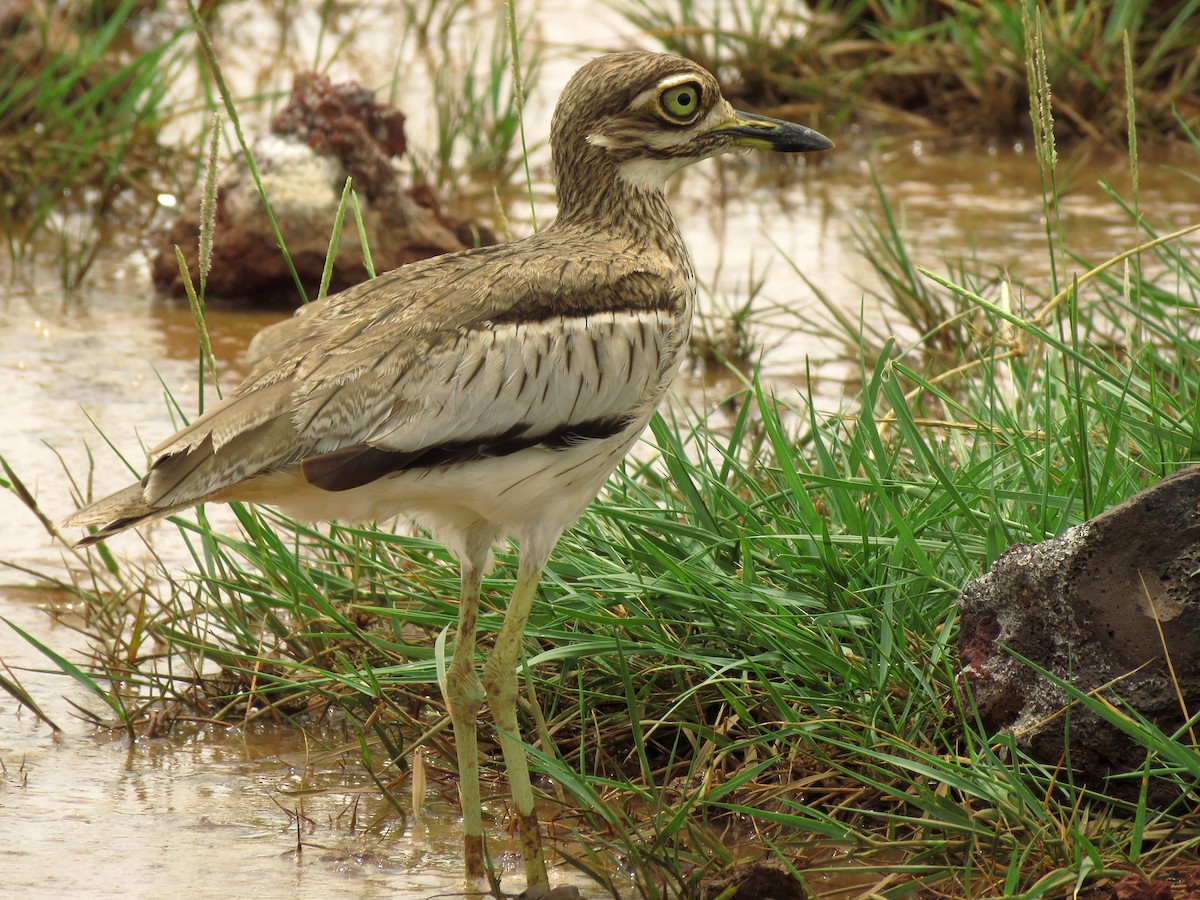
x=533, y=494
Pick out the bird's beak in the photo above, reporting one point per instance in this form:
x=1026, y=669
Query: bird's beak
x=763, y=133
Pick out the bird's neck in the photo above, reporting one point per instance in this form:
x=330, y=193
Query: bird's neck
x=602, y=200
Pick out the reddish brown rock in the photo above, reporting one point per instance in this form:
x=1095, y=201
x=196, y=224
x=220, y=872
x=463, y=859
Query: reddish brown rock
x=1183, y=885
x=325, y=133
x=343, y=120
x=1135, y=887
x=1101, y=607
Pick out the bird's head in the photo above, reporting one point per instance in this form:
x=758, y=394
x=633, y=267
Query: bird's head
x=651, y=114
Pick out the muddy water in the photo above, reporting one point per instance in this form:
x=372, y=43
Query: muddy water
x=210, y=811
x=214, y=810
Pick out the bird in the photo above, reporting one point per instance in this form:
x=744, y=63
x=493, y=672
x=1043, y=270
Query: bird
x=486, y=394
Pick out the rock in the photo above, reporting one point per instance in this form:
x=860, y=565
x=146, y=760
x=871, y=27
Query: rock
x=1135, y=887
x=325, y=133
x=764, y=879
x=1088, y=607
x=562, y=892
x=344, y=121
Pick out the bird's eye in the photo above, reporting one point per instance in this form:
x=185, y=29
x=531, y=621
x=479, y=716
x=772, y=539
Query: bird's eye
x=682, y=101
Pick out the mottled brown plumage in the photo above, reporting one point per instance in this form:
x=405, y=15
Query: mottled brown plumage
x=488, y=393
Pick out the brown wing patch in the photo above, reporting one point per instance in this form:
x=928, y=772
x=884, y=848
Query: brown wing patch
x=354, y=466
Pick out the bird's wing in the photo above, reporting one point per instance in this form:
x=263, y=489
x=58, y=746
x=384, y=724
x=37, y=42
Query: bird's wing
x=365, y=382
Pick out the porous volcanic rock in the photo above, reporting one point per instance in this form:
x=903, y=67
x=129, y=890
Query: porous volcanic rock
x=1096, y=607
x=325, y=133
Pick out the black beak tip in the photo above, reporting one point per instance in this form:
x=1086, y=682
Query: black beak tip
x=804, y=140
x=778, y=135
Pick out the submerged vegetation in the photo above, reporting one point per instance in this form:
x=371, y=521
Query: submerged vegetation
x=83, y=102
x=957, y=66
x=79, y=122
x=747, y=647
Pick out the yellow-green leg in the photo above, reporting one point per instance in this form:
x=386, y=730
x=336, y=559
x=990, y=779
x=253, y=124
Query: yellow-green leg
x=500, y=683
x=464, y=697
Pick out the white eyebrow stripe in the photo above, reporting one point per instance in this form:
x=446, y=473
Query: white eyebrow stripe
x=650, y=94
x=645, y=97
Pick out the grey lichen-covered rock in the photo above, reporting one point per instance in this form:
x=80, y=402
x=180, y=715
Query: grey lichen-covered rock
x=1104, y=606
x=325, y=133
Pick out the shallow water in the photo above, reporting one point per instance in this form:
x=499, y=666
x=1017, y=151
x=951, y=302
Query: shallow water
x=213, y=810
x=207, y=810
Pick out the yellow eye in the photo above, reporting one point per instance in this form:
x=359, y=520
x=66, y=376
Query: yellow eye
x=681, y=101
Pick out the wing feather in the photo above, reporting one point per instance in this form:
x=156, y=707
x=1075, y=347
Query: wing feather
x=450, y=358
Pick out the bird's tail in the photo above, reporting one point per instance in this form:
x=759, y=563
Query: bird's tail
x=115, y=513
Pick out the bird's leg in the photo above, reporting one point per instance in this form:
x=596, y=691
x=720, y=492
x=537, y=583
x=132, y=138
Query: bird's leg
x=464, y=697
x=500, y=683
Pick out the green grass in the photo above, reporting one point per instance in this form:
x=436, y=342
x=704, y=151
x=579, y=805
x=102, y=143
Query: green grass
x=478, y=143
x=748, y=645
x=751, y=639
x=956, y=67
x=79, y=120
x=82, y=106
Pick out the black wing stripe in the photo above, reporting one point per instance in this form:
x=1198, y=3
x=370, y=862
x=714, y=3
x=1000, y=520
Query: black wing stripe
x=361, y=464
